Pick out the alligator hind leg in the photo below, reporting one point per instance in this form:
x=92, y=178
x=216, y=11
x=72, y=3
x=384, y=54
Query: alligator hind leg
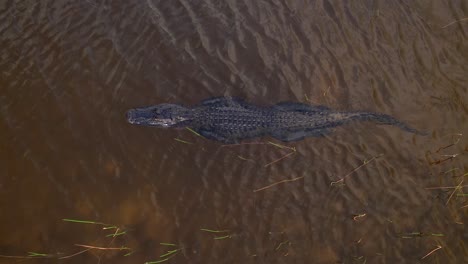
x=289, y=136
x=215, y=136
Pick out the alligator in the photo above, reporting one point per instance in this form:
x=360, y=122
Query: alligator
x=230, y=120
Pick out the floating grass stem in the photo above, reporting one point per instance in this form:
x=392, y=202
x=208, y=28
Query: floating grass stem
x=281, y=244
x=167, y=244
x=182, y=141
x=276, y=183
x=35, y=254
x=445, y=187
x=281, y=146
x=110, y=227
x=75, y=254
x=169, y=252
x=454, y=22
x=242, y=158
x=420, y=234
x=103, y=248
x=222, y=237
x=193, y=131
x=357, y=217
x=281, y=158
x=456, y=189
x=158, y=261
x=341, y=180
x=432, y=251
x=83, y=222
x=117, y=234
x=213, y=231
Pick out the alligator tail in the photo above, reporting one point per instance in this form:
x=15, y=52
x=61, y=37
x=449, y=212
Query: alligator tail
x=387, y=120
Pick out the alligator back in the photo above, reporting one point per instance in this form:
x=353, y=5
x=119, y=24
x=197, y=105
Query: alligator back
x=230, y=119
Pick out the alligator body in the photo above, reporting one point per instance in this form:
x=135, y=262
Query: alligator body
x=231, y=120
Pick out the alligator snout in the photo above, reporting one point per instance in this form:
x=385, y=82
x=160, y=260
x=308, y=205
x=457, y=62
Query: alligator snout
x=139, y=117
x=163, y=115
x=130, y=115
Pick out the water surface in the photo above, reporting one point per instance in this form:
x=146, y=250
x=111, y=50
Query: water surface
x=70, y=69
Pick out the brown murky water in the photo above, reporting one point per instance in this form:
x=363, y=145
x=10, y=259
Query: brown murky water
x=70, y=69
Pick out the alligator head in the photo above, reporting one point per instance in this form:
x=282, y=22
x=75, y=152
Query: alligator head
x=162, y=115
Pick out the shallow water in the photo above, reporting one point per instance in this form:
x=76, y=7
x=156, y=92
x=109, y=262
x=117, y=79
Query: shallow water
x=70, y=69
